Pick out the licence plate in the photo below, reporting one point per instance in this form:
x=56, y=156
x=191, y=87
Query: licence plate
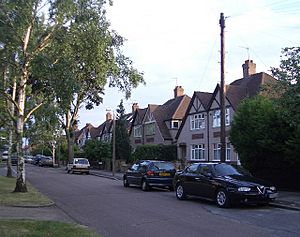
x=164, y=174
x=273, y=195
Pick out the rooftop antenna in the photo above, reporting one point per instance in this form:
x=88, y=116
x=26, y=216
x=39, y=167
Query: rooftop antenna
x=176, y=80
x=248, y=51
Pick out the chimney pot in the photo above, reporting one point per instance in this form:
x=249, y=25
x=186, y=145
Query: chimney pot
x=249, y=68
x=178, y=91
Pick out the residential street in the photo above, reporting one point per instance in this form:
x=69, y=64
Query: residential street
x=114, y=211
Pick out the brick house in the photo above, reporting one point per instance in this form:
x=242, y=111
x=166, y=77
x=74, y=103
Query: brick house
x=159, y=124
x=198, y=138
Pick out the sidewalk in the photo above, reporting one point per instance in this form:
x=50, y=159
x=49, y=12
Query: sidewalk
x=287, y=200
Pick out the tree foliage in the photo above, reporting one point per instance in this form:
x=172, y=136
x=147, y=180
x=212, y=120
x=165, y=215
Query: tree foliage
x=258, y=133
x=123, y=147
x=97, y=151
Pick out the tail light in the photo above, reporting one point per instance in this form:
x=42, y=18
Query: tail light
x=150, y=173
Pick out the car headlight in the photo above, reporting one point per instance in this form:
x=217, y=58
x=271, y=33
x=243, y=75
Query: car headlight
x=272, y=188
x=244, y=189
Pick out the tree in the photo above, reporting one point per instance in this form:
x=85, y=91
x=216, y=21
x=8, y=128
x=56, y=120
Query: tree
x=71, y=53
x=288, y=74
x=97, y=151
x=258, y=133
x=123, y=147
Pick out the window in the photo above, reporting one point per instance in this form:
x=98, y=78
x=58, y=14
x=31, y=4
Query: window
x=228, y=152
x=197, y=121
x=192, y=168
x=217, y=151
x=137, y=131
x=217, y=117
x=150, y=129
x=175, y=124
x=197, y=152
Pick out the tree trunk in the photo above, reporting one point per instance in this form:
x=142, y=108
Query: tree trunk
x=70, y=138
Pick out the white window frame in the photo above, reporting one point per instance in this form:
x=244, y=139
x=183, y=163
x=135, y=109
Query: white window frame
x=173, y=122
x=197, y=121
x=137, y=131
x=228, y=151
x=217, y=151
x=197, y=152
x=150, y=128
x=217, y=118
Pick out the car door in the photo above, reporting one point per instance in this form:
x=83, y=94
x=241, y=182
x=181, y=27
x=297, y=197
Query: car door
x=131, y=173
x=204, y=181
x=190, y=179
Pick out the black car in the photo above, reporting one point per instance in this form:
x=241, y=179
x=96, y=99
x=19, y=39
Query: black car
x=150, y=173
x=223, y=183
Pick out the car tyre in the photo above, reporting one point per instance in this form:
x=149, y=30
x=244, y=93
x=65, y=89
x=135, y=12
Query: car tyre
x=222, y=198
x=180, y=192
x=125, y=182
x=145, y=186
x=68, y=171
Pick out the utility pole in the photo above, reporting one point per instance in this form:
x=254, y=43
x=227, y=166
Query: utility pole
x=222, y=93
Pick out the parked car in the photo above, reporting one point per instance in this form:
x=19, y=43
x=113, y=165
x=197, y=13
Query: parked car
x=14, y=159
x=223, y=183
x=80, y=165
x=46, y=161
x=28, y=159
x=4, y=155
x=150, y=173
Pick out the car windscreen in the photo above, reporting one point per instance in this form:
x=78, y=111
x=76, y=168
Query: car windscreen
x=227, y=170
x=162, y=166
x=81, y=161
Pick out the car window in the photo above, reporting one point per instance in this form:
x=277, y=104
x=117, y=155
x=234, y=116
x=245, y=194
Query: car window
x=81, y=161
x=204, y=169
x=135, y=166
x=156, y=166
x=225, y=169
x=192, y=168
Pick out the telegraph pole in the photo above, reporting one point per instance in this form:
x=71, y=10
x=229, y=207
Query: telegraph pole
x=222, y=93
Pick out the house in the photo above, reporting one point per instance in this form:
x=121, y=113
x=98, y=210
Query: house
x=82, y=135
x=159, y=124
x=198, y=138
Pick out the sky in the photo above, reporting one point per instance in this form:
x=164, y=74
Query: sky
x=175, y=42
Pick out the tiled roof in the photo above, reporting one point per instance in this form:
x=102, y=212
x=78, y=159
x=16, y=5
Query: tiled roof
x=204, y=97
x=172, y=109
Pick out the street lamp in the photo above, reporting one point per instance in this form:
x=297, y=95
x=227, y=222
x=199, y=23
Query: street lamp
x=113, y=140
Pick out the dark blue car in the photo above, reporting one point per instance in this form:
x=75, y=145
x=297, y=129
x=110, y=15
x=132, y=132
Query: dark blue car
x=150, y=173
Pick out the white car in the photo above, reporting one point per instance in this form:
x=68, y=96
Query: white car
x=4, y=155
x=80, y=165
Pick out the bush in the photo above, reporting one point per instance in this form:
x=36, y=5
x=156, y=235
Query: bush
x=155, y=152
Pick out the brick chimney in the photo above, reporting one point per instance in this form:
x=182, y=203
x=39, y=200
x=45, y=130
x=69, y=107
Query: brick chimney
x=135, y=106
x=249, y=68
x=178, y=91
x=109, y=116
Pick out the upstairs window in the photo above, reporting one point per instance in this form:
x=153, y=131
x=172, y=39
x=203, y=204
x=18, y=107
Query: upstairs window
x=217, y=118
x=175, y=124
x=137, y=131
x=150, y=129
x=197, y=121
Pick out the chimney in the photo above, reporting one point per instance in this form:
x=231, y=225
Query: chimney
x=178, y=91
x=135, y=106
x=109, y=116
x=249, y=68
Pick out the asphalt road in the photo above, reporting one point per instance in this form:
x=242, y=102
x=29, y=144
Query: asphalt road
x=114, y=211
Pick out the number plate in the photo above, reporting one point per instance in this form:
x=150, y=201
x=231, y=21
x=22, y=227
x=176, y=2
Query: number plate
x=164, y=174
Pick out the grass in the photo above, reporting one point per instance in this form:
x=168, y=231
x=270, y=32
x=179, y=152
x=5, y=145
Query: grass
x=8, y=197
x=33, y=228
x=30, y=228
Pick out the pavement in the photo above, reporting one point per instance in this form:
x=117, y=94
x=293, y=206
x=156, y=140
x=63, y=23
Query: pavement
x=286, y=200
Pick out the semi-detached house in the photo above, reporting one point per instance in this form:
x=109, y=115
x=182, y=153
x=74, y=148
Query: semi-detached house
x=198, y=138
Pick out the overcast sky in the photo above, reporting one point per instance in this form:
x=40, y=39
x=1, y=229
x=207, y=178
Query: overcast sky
x=177, y=42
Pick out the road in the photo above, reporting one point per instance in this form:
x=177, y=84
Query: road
x=114, y=211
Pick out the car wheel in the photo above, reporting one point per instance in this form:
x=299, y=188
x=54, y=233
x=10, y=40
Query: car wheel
x=68, y=171
x=125, y=182
x=222, y=198
x=145, y=186
x=180, y=192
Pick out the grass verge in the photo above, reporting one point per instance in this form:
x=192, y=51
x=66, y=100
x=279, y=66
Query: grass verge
x=30, y=228
x=8, y=197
